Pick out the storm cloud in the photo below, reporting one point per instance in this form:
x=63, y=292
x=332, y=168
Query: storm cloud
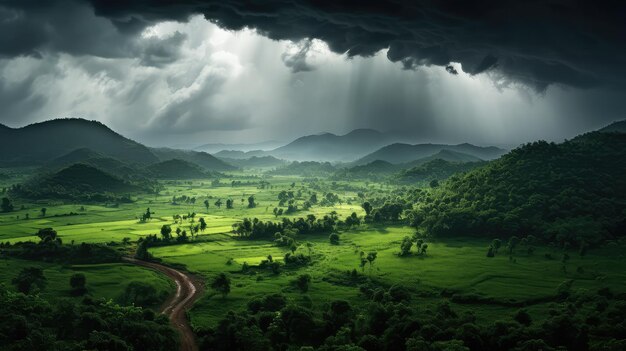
x=536, y=42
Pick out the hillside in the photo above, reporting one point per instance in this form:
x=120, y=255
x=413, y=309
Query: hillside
x=375, y=170
x=567, y=193
x=39, y=143
x=176, y=169
x=446, y=155
x=615, y=127
x=255, y=162
x=436, y=169
x=405, y=153
x=201, y=159
x=94, y=159
x=331, y=147
x=78, y=181
x=305, y=168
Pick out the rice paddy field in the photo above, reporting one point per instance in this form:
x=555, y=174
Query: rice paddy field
x=455, y=269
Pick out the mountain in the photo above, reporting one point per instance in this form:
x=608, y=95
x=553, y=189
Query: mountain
x=202, y=159
x=446, y=155
x=374, y=170
x=435, y=169
x=89, y=157
x=568, y=193
x=216, y=147
x=39, y=143
x=176, y=169
x=404, y=153
x=331, y=147
x=255, y=162
x=78, y=181
x=240, y=155
x=306, y=169
x=615, y=127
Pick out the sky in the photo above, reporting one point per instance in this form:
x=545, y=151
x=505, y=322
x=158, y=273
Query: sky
x=193, y=72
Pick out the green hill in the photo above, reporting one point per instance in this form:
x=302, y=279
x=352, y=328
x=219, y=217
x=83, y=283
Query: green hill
x=566, y=193
x=199, y=158
x=306, y=168
x=78, y=181
x=374, y=171
x=436, y=169
x=176, y=169
x=39, y=143
x=94, y=159
x=446, y=155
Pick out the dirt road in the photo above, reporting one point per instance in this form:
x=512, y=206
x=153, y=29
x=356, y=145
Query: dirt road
x=188, y=290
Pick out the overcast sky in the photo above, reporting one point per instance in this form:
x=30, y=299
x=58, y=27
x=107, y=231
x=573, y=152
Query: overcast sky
x=169, y=76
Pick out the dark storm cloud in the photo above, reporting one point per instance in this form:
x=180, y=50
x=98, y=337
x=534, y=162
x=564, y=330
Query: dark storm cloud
x=537, y=42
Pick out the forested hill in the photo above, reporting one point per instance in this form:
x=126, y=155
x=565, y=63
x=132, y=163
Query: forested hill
x=567, y=193
x=39, y=143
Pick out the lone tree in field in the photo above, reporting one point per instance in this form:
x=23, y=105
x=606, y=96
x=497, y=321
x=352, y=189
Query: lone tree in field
x=6, y=205
x=202, y=224
x=334, y=239
x=251, y=203
x=405, y=246
x=206, y=204
x=166, y=232
x=47, y=234
x=218, y=203
x=78, y=281
x=30, y=279
x=371, y=257
x=43, y=211
x=221, y=284
x=229, y=204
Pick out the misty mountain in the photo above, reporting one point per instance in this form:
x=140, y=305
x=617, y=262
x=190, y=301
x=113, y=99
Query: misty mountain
x=95, y=159
x=176, y=169
x=240, y=155
x=255, y=162
x=217, y=147
x=331, y=147
x=404, y=153
x=201, y=159
x=374, y=170
x=39, y=143
x=615, y=127
x=446, y=155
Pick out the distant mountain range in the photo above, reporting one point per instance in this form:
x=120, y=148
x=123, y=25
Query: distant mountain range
x=406, y=153
x=216, y=147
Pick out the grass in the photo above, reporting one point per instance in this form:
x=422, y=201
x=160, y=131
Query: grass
x=454, y=265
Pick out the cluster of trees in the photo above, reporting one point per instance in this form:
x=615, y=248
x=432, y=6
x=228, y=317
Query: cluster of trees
x=407, y=244
x=51, y=248
x=30, y=322
x=565, y=193
x=389, y=320
x=257, y=229
x=6, y=205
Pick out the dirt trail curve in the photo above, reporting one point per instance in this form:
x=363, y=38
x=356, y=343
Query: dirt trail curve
x=188, y=290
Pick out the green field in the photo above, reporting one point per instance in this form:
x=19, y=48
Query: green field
x=452, y=268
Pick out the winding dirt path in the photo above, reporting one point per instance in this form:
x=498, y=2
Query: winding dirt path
x=188, y=290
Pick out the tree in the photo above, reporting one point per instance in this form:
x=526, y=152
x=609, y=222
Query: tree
x=334, y=239
x=166, y=232
x=203, y=224
x=371, y=257
x=6, y=205
x=229, y=204
x=30, y=279
x=367, y=207
x=221, y=284
x=218, y=203
x=47, y=234
x=302, y=282
x=490, y=252
x=43, y=211
x=78, y=281
x=206, y=204
x=405, y=246
x=251, y=203
x=513, y=241
x=497, y=244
